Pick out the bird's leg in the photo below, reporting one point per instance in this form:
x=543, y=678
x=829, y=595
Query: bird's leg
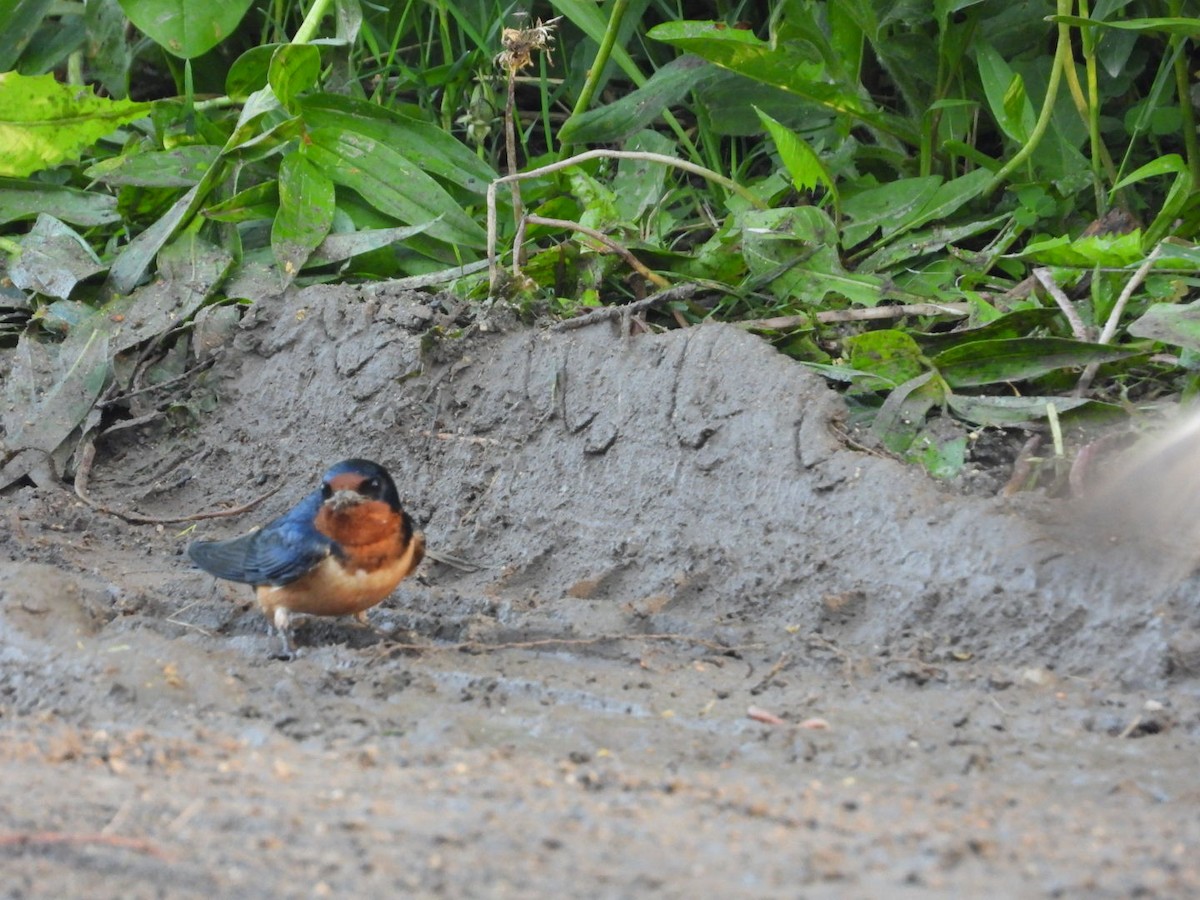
x=283, y=624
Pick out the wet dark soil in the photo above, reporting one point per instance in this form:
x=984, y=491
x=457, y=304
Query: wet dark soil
x=695, y=644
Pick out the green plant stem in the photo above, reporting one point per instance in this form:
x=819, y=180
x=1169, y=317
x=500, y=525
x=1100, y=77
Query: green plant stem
x=308, y=28
x=596, y=72
x=1183, y=91
x=1092, y=111
x=1062, y=58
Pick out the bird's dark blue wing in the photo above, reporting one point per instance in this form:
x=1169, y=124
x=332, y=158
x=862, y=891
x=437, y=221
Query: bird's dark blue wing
x=279, y=553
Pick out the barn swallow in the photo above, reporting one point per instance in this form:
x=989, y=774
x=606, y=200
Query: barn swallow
x=342, y=550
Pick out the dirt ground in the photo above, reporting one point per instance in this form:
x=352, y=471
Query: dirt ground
x=703, y=646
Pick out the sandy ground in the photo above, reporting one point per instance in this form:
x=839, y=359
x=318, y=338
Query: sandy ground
x=703, y=646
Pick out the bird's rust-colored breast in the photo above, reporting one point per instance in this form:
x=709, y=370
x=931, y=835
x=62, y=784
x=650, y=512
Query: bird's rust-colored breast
x=379, y=549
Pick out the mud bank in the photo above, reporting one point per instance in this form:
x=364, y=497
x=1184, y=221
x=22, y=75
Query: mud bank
x=663, y=532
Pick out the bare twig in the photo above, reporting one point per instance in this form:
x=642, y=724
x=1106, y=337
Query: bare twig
x=1022, y=468
x=781, y=323
x=690, y=167
x=87, y=456
x=782, y=663
x=608, y=313
x=1114, y=318
x=47, y=838
x=482, y=647
x=632, y=261
x=1046, y=279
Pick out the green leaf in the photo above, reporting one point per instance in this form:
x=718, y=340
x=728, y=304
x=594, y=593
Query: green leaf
x=49, y=392
x=306, y=206
x=189, y=270
x=430, y=148
x=888, y=354
x=186, y=28
x=798, y=157
x=944, y=460
x=44, y=123
x=1013, y=412
x=1167, y=164
x=249, y=72
x=1187, y=28
x=794, y=251
x=19, y=21
x=640, y=185
x=258, y=202
x=999, y=361
x=182, y=167
x=1005, y=92
x=635, y=110
x=54, y=258
x=788, y=65
x=887, y=208
x=27, y=199
x=294, y=69
x=1108, y=250
x=339, y=247
x=1171, y=323
x=586, y=16
x=391, y=183
x=1016, y=324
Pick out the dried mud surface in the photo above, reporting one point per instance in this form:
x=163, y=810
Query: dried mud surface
x=673, y=547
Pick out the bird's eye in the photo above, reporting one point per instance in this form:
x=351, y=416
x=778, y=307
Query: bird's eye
x=370, y=486
x=326, y=491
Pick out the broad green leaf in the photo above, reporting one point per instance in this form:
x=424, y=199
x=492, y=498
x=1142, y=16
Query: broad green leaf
x=1005, y=92
x=1170, y=323
x=306, y=205
x=1168, y=164
x=887, y=208
x=1108, y=250
x=640, y=185
x=429, y=147
x=54, y=258
x=794, y=252
x=1016, y=324
x=19, y=20
x=44, y=123
x=635, y=110
x=790, y=66
x=182, y=167
x=391, y=183
x=914, y=245
x=189, y=270
x=50, y=390
x=249, y=71
x=258, y=202
x=904, y=410
x=798, y=157
x=294, y=69
x=999, y=361
x=944, y=460
x=888, y=354
x=1012, y=412
x=339, y=247
x=186, y=28
x=1184, y=27
x=109, y=54
x=948, y=199
x=134, y=259
x=20, y=199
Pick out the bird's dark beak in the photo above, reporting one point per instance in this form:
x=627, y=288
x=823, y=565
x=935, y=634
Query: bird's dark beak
x=343, y=500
